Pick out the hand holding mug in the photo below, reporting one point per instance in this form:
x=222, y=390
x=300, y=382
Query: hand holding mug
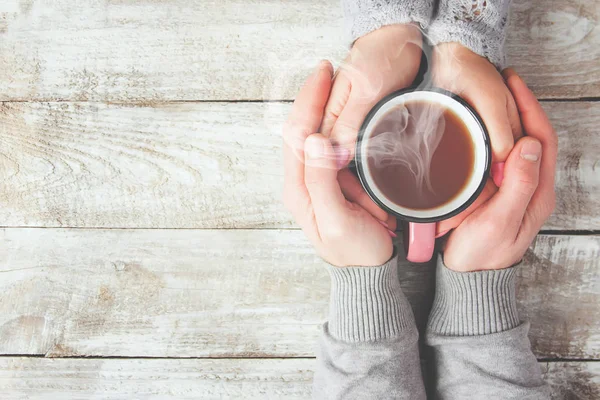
x=379, y=63
x=341, y=230
x=423, y=156
x=498, y=233
x=475, y=79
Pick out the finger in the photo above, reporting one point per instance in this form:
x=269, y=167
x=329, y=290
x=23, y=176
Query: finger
x=514, y=118
x=497, y=173
x=537, y=125
x=540, y=208
x=497, y=123
x=320, y=175
x=337, y=101
x=488, y=191
x=354, y=192
x=392, y=223
x=521, y=176
x=304, y=119
x=350, y=120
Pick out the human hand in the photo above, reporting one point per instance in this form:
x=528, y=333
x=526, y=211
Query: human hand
x=498, y=233
x=475, y=79
x=378, y=64
x=343, y=232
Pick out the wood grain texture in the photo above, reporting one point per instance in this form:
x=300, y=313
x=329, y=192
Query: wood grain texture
x=122, y=379
x=174, y=50
x=147, y=379
x=559, y=292
x=202, y=165
x=175, y=166
x=555, y=46
x=573, y=380
x=253, y=293
x=125, y=51
x=160, y=293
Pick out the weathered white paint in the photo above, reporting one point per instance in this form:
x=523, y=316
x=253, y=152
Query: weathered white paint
x=572, y=380
x=136, y=50
x=182, y=293
x=202, y=165
x=121, y=50
x=554, y=45
x=148, y=379
x=206, y=293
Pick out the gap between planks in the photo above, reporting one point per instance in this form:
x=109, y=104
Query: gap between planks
x=285, y=101
x=258, y=357
x=92, y=228
x=261, y=357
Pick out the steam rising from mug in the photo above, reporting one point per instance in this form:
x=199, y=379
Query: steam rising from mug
x=409, y=139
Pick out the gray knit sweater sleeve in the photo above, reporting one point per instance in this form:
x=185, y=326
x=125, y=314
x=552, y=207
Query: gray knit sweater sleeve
x=479, y=347
x=369, y=347
x=479, y=25
x=364, y=16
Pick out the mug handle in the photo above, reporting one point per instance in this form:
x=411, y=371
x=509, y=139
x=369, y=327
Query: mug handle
x=419, y=241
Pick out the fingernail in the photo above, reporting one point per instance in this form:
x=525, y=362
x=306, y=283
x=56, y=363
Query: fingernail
x=322, y=65
x=439, y=235
x=314, y=149
x=342, y=157
x=383, y=223
x=507, y=72
x=392, y=234
x=498, y=173
x=531, y=150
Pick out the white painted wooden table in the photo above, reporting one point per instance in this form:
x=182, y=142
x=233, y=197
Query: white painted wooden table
x=144, y=253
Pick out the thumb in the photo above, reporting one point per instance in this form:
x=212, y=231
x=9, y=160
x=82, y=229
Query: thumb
x=350, y=120
x=521, y=175
x=320, y=175
x=498, y=122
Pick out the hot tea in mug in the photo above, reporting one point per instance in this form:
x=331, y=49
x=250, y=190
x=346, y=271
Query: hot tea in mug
x=423, y=156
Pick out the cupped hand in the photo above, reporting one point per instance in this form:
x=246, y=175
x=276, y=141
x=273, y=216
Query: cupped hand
x=378, y=64
x=475, y=79
x=498, y=233
x=343, y=232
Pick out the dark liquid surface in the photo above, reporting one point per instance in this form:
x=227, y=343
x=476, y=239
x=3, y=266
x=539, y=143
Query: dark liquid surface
x=402, y=163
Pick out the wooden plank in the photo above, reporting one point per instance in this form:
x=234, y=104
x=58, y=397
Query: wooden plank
x=577, y=178
x=116, y=379
x=113, y=50
x=555, y=45
x=573, y=380
x=160, y=293
x=221, y=293
x=202, y=165
x=174, y=166
x=559, y=292
x=147, y=379
x=146, y=51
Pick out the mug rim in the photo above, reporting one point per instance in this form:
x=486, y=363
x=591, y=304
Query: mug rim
x=487, y=146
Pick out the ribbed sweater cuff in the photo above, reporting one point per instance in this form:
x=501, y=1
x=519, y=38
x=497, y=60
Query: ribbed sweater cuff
x=487, y=46
x=365, y=16
x=367, y=303
x=481, y=29
x=473, y=303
